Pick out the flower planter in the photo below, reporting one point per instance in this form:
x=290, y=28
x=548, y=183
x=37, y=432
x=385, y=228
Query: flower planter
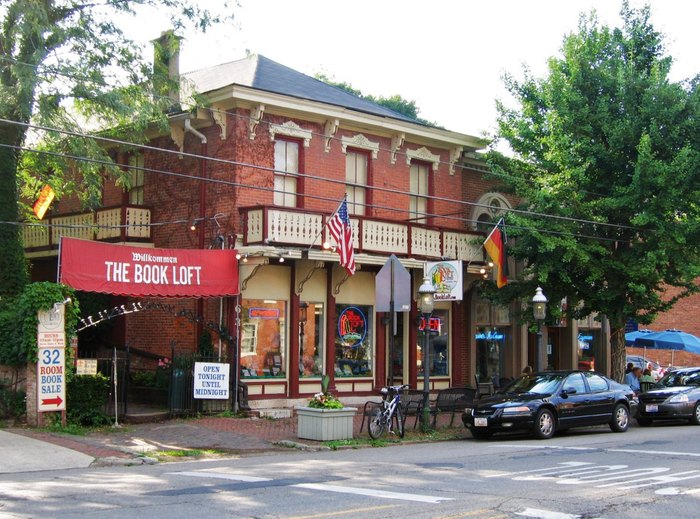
x=325, y=424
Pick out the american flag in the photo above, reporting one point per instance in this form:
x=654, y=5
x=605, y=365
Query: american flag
x=341, y=230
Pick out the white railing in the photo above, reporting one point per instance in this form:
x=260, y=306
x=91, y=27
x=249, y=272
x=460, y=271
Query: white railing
x=103, y=224
x=294, y=227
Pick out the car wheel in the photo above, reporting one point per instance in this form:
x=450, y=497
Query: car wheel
x=620, y=420
x=695, y=420
x=644, y=422
x=480, y=435
x=544, y=425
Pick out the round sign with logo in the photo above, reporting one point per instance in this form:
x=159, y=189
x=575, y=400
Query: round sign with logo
x=352, y=327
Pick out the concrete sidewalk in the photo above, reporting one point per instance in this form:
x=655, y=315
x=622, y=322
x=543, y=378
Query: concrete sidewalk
x=20, y=453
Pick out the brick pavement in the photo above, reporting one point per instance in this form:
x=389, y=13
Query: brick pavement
x=232, y=435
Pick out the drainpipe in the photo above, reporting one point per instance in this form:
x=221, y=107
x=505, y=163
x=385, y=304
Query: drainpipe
x=202, y=213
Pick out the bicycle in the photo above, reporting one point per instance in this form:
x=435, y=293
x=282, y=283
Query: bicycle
x=388, y=414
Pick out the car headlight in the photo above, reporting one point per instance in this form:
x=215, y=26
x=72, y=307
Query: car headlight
x=516, y=410
x=468, y=410
x=678, y=398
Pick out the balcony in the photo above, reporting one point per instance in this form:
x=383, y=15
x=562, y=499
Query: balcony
x=264, y=225
x=122, y=223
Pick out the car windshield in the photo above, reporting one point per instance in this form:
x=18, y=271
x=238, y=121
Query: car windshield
x=541, y=383
x=680, y=378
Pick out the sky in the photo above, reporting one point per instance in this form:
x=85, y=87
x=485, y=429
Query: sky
x=447, y=55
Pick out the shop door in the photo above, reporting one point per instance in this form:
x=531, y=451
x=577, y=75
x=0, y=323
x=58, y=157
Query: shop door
x=397, y=368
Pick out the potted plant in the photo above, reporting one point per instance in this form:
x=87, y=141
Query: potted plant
x=325, y=417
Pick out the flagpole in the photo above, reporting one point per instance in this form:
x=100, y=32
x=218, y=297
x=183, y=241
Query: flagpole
x=327, y=220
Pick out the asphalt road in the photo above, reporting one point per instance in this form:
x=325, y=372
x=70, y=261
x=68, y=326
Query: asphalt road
x=592, y=473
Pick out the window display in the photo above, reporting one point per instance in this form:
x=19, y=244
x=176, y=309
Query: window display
x=263, y=339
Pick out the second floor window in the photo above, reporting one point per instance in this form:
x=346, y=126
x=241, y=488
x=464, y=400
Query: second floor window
x=356, y=176
x=286, y=171
x=419, y=186
x=136, y=175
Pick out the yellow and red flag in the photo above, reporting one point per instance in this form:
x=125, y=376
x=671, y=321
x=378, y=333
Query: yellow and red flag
x=44, y=201
x=496, y=249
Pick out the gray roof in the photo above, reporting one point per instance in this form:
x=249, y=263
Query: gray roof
x=261, y=73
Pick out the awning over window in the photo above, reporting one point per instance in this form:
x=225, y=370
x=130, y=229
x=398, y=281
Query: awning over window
x=140, y=272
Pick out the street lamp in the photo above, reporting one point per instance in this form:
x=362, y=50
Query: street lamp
x=539, y=311
x=303, y=314
x=426, y=303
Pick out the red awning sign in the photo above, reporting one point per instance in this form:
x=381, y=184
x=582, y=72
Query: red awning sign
x=141, y=272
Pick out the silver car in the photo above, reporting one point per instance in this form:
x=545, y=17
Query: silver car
x=675, y=396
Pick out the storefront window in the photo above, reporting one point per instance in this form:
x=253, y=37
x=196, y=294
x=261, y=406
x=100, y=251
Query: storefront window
x=439, y=344
x=589, y=345
x=311, y=343
x=263, y=339
x=354, y=343
x=491, y=344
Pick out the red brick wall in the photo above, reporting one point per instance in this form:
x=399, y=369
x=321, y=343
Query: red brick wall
x=685, y=315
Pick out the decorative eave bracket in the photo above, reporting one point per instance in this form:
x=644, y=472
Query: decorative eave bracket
x=346, y=276
x=219, y=116
x=455, y=154
x=256, y=115
x=177, y=134
x=396, y=143
x=318, y=265
x=331, y=129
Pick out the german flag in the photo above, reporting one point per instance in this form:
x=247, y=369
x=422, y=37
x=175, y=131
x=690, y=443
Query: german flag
x=44, y=201
x=496, y=249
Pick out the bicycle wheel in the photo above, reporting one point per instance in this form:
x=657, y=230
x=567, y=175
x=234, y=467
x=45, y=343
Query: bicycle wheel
x=377, y=424
x=398, y=422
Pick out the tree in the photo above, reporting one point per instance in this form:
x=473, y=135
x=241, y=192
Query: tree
x=396, y=102
x=606, y=146
x=61, y=66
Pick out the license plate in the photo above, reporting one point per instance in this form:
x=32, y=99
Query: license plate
x=652, y=408
x=481, y=422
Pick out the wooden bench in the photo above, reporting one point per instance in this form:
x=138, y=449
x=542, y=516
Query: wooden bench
x=452, y=400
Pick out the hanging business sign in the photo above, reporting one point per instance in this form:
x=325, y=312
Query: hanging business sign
x=211, y=380
x=446, y=277
x=141, y=272
x=51, y=362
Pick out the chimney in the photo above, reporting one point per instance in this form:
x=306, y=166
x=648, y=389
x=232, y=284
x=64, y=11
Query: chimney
x=166, y=68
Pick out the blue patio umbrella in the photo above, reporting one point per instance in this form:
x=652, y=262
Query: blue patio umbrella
x=670, y=340
x=630, y=337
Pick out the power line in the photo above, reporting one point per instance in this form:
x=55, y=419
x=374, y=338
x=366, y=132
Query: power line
x=322, y=135
x=306, y=195
x=305, y=175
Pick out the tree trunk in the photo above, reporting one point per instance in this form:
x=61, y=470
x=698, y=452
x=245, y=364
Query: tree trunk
x=13, y=267
x=618, y=353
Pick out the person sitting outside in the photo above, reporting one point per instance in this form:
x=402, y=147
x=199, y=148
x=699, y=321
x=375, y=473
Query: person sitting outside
x=629, y=368
x=632, y=378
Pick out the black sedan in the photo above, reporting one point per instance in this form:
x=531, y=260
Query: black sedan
x=551, y=401
x=675, y=396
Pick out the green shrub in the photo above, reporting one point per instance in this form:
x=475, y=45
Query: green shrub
x=12, y=403
x=86, y=397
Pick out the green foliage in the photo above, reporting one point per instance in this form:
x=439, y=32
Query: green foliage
x=64, y=66
x=12, y=402
x=396, y=102
x=18, y=320
x=86, y=397
x=205, y=344
x=608, y=145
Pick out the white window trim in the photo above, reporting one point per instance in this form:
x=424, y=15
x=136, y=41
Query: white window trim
x=290, y=129
x=423, y=154
x=361, y=142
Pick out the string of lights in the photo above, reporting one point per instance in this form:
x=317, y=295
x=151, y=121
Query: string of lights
x=305, y=175
x=328, y=199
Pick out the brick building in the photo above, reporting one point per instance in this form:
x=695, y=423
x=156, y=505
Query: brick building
x=259, y=165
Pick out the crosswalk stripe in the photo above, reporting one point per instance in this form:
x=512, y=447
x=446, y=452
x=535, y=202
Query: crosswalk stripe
x=372, y=492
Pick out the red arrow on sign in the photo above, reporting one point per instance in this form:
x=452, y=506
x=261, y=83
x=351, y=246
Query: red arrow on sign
x=49, y=401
